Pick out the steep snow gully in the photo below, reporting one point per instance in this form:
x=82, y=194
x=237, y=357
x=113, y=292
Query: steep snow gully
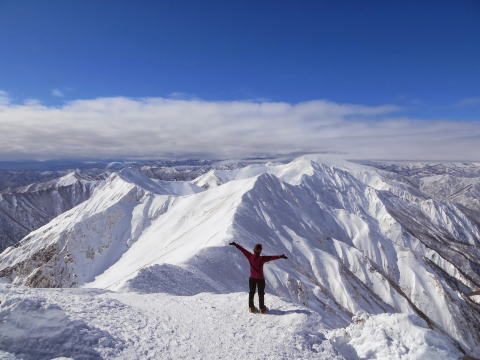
x=377, y=269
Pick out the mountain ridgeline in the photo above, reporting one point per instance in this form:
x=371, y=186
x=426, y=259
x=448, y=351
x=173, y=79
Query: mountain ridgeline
x=27, y=208
x=359, y=237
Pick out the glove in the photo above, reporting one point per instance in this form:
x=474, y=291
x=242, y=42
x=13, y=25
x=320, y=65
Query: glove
x=233, y=243
x=283, y=256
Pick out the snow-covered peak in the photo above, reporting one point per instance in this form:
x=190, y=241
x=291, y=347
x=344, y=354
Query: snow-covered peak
x=133, y=176
x=358, y=239
x=27, y=208
x=68, y=179
x=72, y=178
x=291, y=172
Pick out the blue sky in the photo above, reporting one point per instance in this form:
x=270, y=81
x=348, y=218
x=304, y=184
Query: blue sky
x=421, y=56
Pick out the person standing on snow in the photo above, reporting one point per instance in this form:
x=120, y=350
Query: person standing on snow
x=256, y=279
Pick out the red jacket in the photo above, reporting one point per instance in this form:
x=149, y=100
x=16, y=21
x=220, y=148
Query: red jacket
x=256, y=262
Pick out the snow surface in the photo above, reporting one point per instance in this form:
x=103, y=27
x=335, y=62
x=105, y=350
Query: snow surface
x=29, y=207
x=455, y=182
x=359, y=240
x=95, y=324
x=391, y=336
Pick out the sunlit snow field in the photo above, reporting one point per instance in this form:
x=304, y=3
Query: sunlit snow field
x=95, y=324
x=380, y=260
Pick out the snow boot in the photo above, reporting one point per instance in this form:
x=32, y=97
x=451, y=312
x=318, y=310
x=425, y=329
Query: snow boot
x=263, y=310
x=252, y=309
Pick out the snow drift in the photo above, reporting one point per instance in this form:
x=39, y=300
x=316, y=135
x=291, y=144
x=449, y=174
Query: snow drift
x=93, y=324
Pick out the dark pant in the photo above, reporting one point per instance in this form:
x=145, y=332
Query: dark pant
x=254, y=283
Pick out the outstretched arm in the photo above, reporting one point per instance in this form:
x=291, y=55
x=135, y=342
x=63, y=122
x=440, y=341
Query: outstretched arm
x=243, y=250
x=274, y=257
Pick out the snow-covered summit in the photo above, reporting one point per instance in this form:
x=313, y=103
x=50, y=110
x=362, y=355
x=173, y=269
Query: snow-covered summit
x=95, y=324
x=134, y=176
x=358, y=239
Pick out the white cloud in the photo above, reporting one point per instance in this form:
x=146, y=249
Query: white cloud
x=57, y=93
x=158, y=127
x=180, y=95
x=4, y=98
x=469, y=101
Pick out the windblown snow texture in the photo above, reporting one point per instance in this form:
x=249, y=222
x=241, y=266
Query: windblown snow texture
x=94, y=324
x=358, y=238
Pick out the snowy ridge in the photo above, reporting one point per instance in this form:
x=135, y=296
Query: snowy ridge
x=444, y=181
x=29, y=207
x=358, y=239
x=98, y=229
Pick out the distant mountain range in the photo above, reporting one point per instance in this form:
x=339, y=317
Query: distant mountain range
x=375, y=237
x=30, y=197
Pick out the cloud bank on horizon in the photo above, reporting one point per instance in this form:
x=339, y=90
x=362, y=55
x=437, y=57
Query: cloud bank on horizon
x=120, y=127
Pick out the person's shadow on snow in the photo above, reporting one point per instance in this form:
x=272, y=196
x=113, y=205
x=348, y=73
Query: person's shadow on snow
x=286, y=312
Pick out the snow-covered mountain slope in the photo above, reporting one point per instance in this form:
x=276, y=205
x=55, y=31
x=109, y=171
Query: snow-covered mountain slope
x=172, y=173
x=458, y=189
x=91, y=324
x=29, y=207
x=24, y=208
x=357, y=240
x=11, y=179
x=444, y=181
x=427, y=168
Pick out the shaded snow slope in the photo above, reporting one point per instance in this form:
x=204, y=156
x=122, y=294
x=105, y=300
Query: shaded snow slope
x=85, y=241
x=357, y=238
x=92, y=324
x=27, y=208
x=462, y=190
x=445, y=181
